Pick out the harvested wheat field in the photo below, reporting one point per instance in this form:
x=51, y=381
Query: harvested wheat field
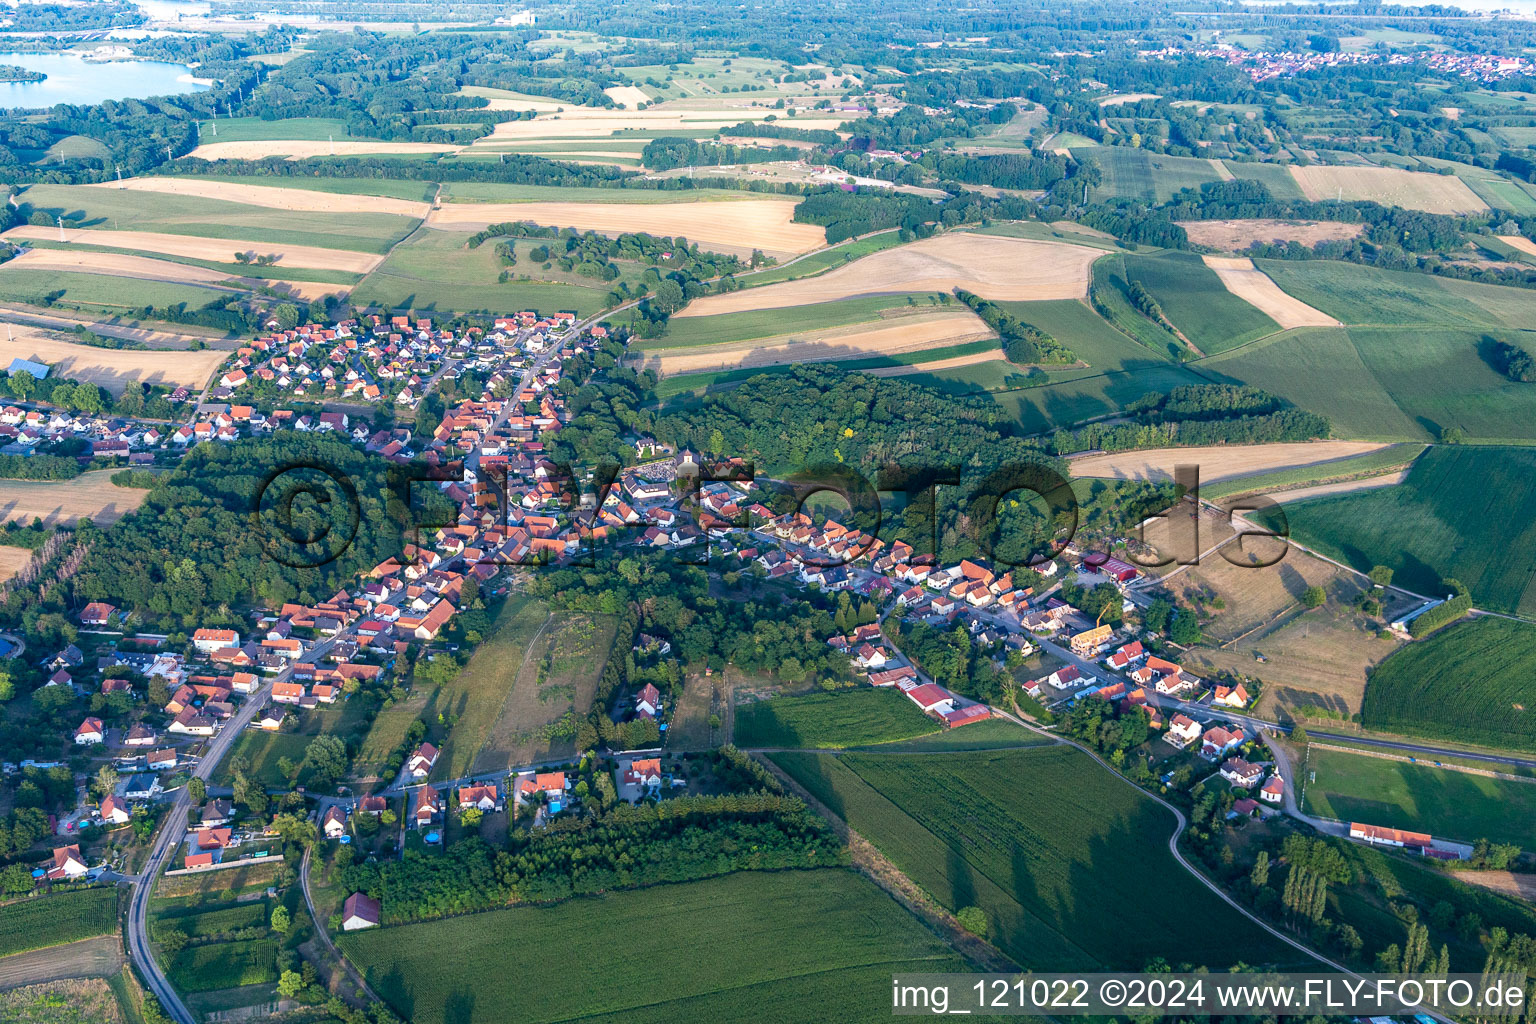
x=1520, y=242
x=91, y=495
x=1256, y=288
x=732, y=225
x=301, y=199
x=992, y=266
x=953, y=362
x=1127, y=97
x=57, y=1002
x=1237, y=235
x=222, y=250
x=910, y=333
x=630, y=96
x=112, y=368
x=115, y=264
x=1217, y=462
x=11, y=561
x=1390, y=186
x=298, y=149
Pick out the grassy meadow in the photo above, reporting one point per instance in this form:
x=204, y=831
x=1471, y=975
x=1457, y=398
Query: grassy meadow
x=435, y=270
x=1399, y=794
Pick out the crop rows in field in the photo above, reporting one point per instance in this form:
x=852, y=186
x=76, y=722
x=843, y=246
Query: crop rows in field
x=851, y=718
x=1473, y=683
x=1044, y=841
x=224, y=965
x=198, y=923
x=781, y=946
x=1462, y=513
x=58, y=918
x=1197, y=302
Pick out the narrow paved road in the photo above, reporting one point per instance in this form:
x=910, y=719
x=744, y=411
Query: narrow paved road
x=166, y=841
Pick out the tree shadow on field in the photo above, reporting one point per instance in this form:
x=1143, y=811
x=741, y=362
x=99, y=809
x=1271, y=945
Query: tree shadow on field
x=1294, y=582
x=393, y=988
x=962, y=882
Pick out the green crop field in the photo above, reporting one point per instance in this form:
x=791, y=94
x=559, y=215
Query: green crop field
x=688, y=331
x=203, y=921
x=1374, y=463
x=820, y=262
x=1354, y=294
x=62, y=917
x=1137, y=174
x=102, y=292
x=851, y=718
x=1391, y=383
x=1111, y=294
x=1043, y=840
x=1088, y=335
x=1196, y=302
x=413, y=191
x=1460, y=514
x=1474, y=682
x=1076, y=396
x=782, y=947
x=1421, y=797
x=224, y=965
x=435, y=270
x=134, y=210
x=1275, y=177
x=256, y=129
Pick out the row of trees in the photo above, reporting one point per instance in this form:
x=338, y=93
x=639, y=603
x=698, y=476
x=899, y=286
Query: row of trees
x=628, y=847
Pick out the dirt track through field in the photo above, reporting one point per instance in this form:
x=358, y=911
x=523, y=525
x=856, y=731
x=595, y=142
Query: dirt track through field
x=860, y=341
x=1217, y=462
x=1369, y=483
x=299, y=149
x=91, y=495
x=112, y=368
x=731, y=225
x=1390, y=186
x=1236, y=235
x=222, y=250
x=91, y=958
x=113, y=264
x=1256, y=288
x=304, y=200
x=992, y=266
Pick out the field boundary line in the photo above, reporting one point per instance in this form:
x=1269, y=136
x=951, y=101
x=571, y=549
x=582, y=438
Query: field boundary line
x=1383, y=755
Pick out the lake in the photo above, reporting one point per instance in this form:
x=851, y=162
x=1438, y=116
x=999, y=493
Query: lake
x=72, y=80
